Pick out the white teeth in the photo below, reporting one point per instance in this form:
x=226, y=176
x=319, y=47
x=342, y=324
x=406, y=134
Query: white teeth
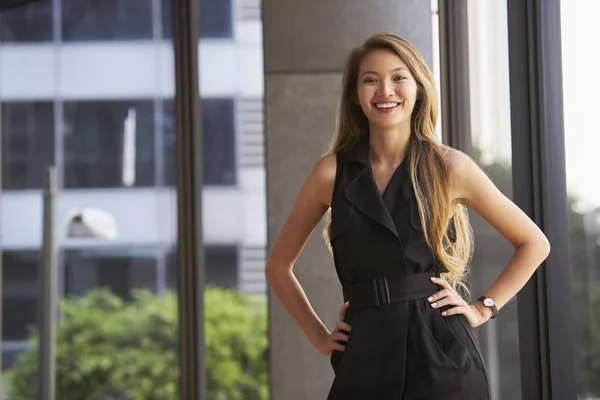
x=386, y=105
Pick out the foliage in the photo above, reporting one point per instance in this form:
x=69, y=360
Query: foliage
x=111, y=349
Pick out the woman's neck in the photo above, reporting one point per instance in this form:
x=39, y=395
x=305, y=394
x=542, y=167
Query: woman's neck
x=388, y=147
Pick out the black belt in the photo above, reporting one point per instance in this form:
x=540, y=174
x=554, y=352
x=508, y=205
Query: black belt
x=382, y=291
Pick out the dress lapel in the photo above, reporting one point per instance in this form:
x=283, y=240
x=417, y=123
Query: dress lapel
x=362, y=191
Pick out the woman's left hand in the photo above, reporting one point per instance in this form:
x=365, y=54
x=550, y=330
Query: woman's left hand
x=448, y=297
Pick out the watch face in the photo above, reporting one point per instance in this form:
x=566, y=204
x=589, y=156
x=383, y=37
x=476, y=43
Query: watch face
x=488, y=302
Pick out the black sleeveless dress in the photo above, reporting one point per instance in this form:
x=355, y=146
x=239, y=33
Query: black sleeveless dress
x=400, y=348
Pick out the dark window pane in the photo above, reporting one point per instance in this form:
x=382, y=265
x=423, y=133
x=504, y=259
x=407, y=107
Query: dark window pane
x=29, y=23
x=27, y=143
x=220, y=267
x=19, y=293
x=119, y=270
x=106, y=20
x=215, y=19
x=99, y=153
x=218, y=147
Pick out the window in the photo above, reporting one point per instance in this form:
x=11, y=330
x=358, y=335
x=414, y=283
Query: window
x=215, y=19
x=488, y=142
x=578, y=23
x=27, y=143
x=29, y=23
x=220, y=267
x=90, y=20
x=109, y=144
x=119, y=270
x=20, y=290
x=218, y=130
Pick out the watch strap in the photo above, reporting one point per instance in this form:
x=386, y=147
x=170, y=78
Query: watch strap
x=493, y=308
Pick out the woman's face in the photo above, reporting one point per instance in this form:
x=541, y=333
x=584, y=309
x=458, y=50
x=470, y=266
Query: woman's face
x=387, y=91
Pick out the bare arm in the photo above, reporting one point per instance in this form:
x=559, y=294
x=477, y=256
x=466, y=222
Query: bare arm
x=312, y=202
x=472, y=187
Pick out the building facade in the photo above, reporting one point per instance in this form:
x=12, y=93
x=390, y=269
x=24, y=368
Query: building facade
x=88, y=87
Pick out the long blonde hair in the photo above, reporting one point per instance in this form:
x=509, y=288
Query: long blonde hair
x=428, y=166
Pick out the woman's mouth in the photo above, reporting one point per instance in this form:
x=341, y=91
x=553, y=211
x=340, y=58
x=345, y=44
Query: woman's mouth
x=386, y=107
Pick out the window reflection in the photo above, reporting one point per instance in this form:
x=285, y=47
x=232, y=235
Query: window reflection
x=120, y=270
x=578, y=24
x=19, y=293
x=218, y=145
x=27, y=24
x=27, y=143
x=489, y=143
x=87, y=20
x=221, y=267
x=216, y=19
x=109, y=143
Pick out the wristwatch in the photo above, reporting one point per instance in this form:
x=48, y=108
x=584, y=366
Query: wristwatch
x=491, y=304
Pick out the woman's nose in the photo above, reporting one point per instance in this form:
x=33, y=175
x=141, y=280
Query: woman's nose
x=386, y=89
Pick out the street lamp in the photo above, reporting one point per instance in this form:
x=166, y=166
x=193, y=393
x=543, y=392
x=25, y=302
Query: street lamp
x=81, y=222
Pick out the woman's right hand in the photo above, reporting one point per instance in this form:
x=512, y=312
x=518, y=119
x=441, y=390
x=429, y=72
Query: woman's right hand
x=329, y=343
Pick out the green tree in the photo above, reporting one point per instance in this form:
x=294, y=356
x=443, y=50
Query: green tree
x=111, y=349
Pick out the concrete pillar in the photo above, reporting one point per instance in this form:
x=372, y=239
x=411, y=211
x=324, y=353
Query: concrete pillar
x=305, y=43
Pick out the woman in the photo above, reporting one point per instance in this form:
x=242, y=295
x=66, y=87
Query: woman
x=400, y=238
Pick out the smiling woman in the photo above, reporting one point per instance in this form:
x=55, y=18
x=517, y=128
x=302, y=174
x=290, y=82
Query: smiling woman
x=401, y=239
x=385, y=89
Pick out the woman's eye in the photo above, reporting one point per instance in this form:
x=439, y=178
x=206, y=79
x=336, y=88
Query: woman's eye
x=399, y=78
x=369, y=80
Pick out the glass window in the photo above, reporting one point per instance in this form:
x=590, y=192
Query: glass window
x=90, y=20
x=119, y=270
x=109, y=144
x=582, y=141
x=215, y=19
x=489, y=144
x=27, y=143
x=220, y=267
x=106, y=149
x=219, y=150
x=20, y=290
x=28, y=23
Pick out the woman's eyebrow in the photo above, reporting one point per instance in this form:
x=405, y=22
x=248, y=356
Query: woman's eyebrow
x=376, y=73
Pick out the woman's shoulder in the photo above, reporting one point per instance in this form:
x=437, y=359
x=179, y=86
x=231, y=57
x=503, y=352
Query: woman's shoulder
x=325, y=169
x=322, y=177
x=458, y=162
x=460, y=167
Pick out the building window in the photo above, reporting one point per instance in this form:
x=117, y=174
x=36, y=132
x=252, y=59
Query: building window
x=119, y=270
x=220, y=267
x=19, y=293
x=215, y=19
x=109, y=144
x=27, y=143
x=29, y=23
x=91, y=20
x=218, y=147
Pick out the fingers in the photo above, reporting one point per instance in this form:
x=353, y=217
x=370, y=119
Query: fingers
x=340, y=336
x=343, y=310
x=338, y=347
x=457, y=310
x=441, y=282
x=441, y=294
x=452, y=300
x=447, y=290
x=343, y=326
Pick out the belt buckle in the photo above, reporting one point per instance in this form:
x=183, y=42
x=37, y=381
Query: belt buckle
x=382, y=292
